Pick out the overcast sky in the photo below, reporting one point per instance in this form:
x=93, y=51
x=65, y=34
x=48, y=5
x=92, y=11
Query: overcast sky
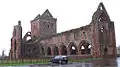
x=69, y=13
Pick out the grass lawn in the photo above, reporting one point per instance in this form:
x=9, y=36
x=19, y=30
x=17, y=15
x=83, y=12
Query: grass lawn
x=22, y=62
x=30, y=62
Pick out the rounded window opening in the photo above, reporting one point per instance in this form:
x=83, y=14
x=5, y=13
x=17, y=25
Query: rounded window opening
x=83, y=32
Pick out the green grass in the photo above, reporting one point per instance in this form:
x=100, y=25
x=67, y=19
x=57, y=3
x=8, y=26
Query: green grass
x=30, y=62
x=22, y=62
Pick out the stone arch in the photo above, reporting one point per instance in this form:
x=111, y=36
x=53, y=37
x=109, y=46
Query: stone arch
x=35, y=51
x=63, y=49
x=27, y=36
x=43, y=51
x=49, y=51
x=56, y=51
x=72, y=48
x=85, y=47
x=105, y=51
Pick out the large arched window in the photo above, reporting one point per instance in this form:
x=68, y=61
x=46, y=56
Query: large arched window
x=85, y=48
x=72, y=49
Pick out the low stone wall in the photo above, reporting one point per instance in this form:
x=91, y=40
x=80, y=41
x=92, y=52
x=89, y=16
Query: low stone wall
x=79, y=57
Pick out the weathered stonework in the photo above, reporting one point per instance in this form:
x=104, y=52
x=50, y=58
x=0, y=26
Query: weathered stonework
x=96, y=39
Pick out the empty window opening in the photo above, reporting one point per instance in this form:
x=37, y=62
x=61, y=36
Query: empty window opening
x=101, y=8
x=73, y=49
x=85, y=48
x=88, y=49
x=82, y=50
x=100, y=19
x=29, y=33
x=28, y=38
x=102, y=29
x=89, y=46
x=82, y=47
x=84, y=34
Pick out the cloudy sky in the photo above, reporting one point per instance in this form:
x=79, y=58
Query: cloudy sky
x=69, y=13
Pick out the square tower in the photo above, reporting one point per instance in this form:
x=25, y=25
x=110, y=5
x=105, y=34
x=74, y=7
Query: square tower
x=43, y=25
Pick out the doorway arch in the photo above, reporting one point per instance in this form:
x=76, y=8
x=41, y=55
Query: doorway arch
x=48, y=51
x=56, y=52
x=63, y=50
x=43, y=53
x=105, y=51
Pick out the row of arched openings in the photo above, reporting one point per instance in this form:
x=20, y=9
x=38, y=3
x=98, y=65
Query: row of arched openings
x=84, y=48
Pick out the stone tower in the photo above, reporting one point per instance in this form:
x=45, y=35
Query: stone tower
x=103, y=33
x=43, y=25
x=16, y=39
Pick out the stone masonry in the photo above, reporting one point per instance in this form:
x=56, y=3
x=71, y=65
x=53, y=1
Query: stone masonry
x=96, y=39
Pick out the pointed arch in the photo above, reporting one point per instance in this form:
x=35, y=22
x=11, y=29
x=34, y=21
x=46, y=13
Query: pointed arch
x=85, y=47
x=63, y=49
x=43, y=52
x=48, y=51
x=105, y=51
x=56, y=51
x=72, y=48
